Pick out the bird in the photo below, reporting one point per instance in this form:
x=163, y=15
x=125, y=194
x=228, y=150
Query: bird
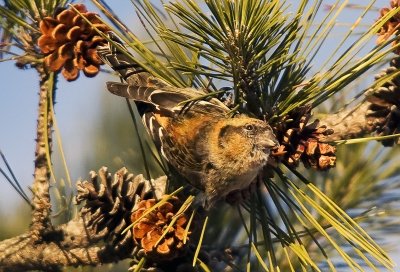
x=215, y=152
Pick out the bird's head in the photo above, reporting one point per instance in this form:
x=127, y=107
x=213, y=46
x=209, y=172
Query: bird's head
x=249, y=137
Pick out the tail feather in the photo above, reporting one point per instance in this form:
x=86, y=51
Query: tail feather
x=135, y=92
x=160, y=99
x=117, y=56
x=141, y=86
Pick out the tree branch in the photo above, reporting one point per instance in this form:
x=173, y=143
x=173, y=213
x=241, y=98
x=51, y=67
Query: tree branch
x=71, y=244
x=348, y=124
x=41, y=183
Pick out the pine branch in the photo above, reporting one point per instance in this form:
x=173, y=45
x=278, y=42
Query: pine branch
x=71, y=244
x=41, y=183
x=348, y=124
x=377, y=114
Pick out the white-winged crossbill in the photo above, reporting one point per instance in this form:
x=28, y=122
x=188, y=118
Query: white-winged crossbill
x=214, y=152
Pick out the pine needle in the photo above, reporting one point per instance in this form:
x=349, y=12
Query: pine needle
x=196, y=253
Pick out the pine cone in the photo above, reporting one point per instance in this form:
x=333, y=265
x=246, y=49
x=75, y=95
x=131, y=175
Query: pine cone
x=69, y=42
x=149, y=228
x=384, y=111
x=111, y=200
x=300, y=141
x=391, y=26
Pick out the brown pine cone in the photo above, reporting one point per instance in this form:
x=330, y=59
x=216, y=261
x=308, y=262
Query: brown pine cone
x=391, y=26
x=110, y=201
x=384, y=111
x=69, y=42
x=300, y=141
x=149, y=228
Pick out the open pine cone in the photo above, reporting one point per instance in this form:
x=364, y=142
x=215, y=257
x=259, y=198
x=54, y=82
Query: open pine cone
x=391, y=26
x=69, y=42
x=300, y=141
x=149, y=228
x=384, y=111
x=110, y=201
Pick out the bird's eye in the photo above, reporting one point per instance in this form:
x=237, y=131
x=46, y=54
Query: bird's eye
x=249, y=127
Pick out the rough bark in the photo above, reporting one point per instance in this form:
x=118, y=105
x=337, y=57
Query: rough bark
x=71, y=244
x=348, y=124
x=41, y=206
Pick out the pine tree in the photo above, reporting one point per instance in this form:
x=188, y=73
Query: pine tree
x=263, y=58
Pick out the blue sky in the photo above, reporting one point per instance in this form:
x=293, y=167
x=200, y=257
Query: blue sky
x=76, y=108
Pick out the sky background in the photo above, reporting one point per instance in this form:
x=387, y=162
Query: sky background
x=77, y=109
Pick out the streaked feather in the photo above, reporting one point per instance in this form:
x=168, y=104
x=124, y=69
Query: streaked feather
x=142, y=86
x=121, y=62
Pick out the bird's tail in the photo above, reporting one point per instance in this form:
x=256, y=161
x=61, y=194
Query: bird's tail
x=142, y=87
x=117, y=56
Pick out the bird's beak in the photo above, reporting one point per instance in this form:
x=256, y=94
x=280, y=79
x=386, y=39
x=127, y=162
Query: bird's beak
x=271, y=143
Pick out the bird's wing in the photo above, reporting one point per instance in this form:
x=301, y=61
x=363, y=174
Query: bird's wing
x=177, y=140
x=186, y=161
